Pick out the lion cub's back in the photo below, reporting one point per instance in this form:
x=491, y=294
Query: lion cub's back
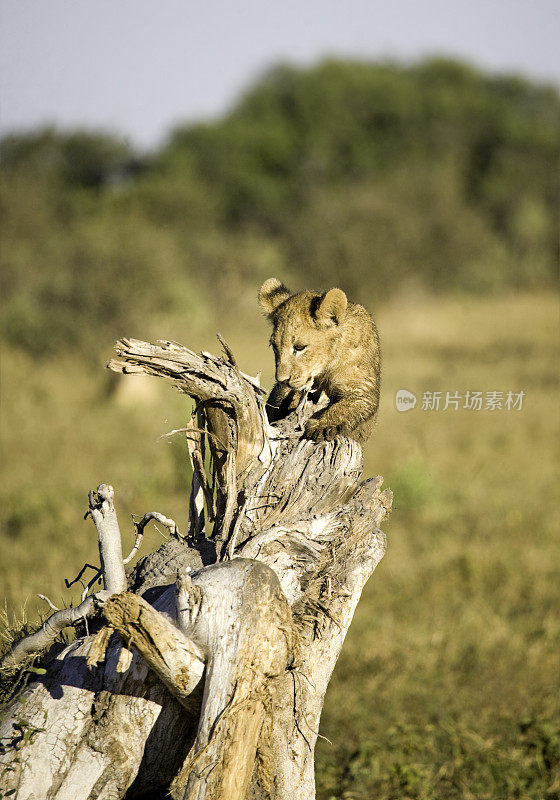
x=360, y=341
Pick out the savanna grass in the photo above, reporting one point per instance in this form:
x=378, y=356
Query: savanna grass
x=448, y=684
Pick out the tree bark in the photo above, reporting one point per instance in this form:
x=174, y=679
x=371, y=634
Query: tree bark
x=209, y=676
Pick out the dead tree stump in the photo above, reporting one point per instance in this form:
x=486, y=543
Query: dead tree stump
x=207, y=677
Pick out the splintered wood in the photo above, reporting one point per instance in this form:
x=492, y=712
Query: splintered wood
x=207, y=677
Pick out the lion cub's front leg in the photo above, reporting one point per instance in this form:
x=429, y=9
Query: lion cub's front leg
x=349, y=416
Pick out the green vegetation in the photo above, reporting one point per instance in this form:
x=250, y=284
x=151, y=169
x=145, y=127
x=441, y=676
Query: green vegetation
x=429, y=193
x=377, y=177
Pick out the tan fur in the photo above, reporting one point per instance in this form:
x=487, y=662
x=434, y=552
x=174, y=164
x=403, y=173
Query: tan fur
x=340, y=357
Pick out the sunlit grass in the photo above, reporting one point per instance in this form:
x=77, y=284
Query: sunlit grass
x=448, y=683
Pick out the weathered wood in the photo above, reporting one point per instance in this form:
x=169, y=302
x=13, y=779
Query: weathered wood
x=102, y=510
x=81, y=733
x=178, y=661
x=248, y=638
x=229, y=398
x=295, y=534
x=50, y=629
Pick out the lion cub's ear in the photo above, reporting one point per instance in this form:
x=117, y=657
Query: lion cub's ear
x=272, y=294
x=331, y=308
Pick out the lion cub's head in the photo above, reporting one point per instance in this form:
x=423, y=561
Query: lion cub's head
x=306, y=331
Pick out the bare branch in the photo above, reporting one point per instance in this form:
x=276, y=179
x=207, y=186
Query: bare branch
x=170, y=524
x=48, y=602
x=104, y=516
x=103, y=513
x=51, y=627
x=205, y=378
x=195, y=445
x=78, y=577
x=227, y=350
x=175, y=659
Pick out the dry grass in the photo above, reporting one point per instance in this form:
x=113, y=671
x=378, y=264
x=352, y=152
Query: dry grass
x=448, y=682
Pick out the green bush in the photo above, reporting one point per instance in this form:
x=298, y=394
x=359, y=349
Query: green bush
x=370, y=176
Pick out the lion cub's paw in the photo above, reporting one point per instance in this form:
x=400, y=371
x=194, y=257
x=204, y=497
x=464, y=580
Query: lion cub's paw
x=320, y=431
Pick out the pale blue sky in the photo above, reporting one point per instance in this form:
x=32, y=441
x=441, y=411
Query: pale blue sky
x=139, y=67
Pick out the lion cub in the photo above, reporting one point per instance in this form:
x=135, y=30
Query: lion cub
x=322, y=341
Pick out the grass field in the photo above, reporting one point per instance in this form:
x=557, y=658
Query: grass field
x=448, y=683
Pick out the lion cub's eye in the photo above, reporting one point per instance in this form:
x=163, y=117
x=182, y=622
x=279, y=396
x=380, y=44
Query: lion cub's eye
x=299, y=347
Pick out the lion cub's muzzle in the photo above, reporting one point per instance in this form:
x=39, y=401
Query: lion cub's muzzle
x=297, y=384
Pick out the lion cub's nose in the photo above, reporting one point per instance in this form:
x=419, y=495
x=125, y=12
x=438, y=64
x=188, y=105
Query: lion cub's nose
x=282, y=376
